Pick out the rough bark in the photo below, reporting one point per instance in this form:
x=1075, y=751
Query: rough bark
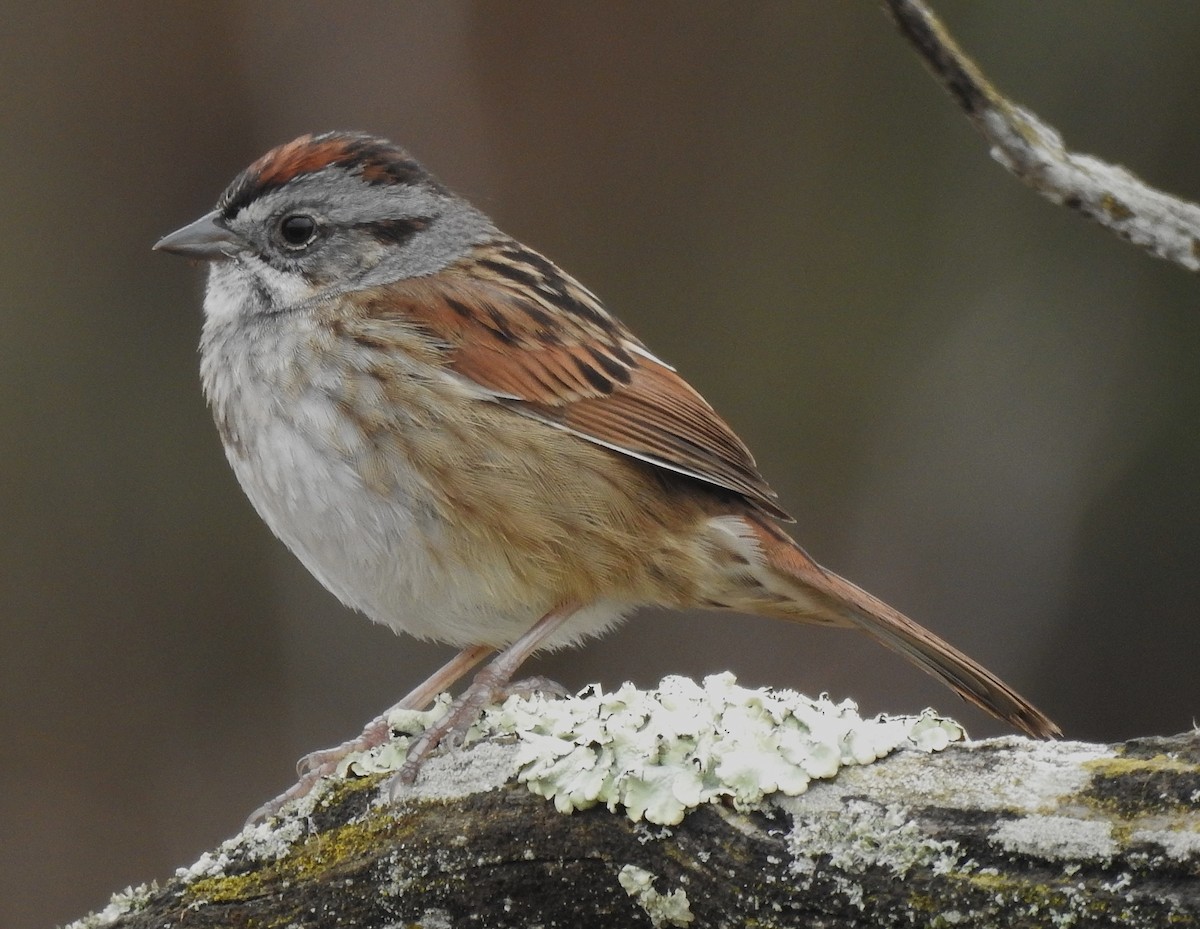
x=1004, y=832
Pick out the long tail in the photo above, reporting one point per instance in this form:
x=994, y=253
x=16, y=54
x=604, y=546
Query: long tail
x=802, y=590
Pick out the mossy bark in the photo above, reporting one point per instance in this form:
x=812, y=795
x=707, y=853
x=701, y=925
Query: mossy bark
x=1000, y=833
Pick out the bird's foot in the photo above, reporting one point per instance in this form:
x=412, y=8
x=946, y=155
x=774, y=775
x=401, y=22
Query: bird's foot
x=316, y=765
x=452, y=728
x=325, y=761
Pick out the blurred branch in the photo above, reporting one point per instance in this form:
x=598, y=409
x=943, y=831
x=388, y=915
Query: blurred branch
x=1162, y=224
x=1004, y=832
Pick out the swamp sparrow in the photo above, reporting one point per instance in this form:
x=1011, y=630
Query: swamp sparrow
x=459, y=440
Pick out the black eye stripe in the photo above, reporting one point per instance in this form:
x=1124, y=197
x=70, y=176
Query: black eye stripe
x=395, y=231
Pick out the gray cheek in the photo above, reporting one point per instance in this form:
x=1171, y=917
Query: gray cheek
x=345, y=260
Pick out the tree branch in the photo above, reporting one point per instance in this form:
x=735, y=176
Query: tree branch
x=1162, y=224
x=1006, y=832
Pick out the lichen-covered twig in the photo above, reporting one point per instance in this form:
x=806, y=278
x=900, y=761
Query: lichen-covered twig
x=1034, y=151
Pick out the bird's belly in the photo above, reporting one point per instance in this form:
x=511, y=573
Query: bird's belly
x=391, y=555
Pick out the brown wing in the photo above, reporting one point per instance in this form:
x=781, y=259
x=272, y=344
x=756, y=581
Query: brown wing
x=518, y=326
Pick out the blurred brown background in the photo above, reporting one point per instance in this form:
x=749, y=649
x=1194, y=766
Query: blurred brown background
x=977, y=405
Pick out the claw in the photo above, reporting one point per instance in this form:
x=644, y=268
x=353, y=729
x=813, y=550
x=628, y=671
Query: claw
x=452, y=728
x=316, y=765
x=302, y=788
x=489, y=685
x=326, y=760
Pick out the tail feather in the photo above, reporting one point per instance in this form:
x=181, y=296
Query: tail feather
x=816, y=594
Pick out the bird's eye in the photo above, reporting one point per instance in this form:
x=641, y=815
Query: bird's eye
x=297, y=230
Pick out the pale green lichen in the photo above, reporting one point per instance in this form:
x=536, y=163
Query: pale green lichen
x=865, y=835
x=657, y=754
x=1058, y=838
x=670, y=909
x=1176, y=844
x=257, y=842
x=130, y=900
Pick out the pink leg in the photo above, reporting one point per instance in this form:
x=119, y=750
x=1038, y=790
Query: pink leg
x=314, y=766
x=489, y=683
x=444, y=677
x=376, y=733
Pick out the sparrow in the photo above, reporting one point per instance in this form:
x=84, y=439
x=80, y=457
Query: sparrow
x=460, y=441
